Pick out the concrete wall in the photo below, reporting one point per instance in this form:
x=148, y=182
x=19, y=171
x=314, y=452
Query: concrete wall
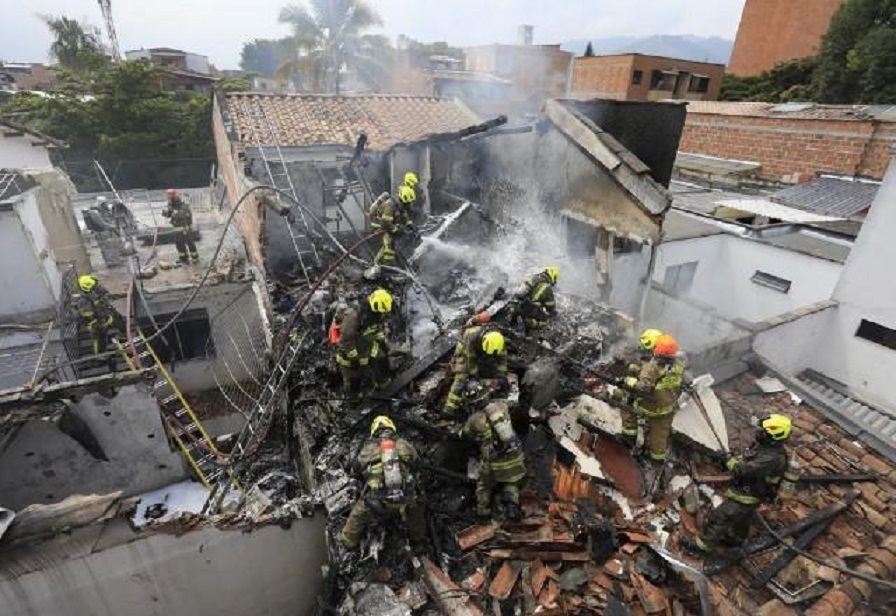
x=25, y=291
x=236, y=325
x=45, y=465
x=726, y=263
x=791, y=149
x=773, y=31
x=866, y=291
x=696, y=325
x=790, y=341
x=20, y=152
x=208, y=572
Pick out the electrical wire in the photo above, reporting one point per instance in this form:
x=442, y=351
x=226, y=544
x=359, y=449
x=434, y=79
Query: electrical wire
x=842, y=569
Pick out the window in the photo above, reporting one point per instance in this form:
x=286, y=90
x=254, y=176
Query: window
x=581, y=238
x=699, y=84
x=637, y=77
x=625, y=245
x=189, y=337
x=764, y=279
x=662, y=80
x=875, y=332
x=679, y=278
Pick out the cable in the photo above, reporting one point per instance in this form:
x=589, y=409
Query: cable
x=842, y=569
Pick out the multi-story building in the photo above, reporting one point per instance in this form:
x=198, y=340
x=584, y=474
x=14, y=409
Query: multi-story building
x=774, y=31
x=637, y=77
x=184, y=70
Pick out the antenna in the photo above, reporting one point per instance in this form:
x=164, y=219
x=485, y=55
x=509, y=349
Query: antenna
x=106, y=8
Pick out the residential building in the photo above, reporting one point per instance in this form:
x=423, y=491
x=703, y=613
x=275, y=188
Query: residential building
x=774, y=31
x=638, y=77
x=537, y=72
x=183, y=70
x=792, y=142
x=25, y=77
x=23, y=148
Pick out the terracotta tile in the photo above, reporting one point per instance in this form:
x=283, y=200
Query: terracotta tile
x=549, y=595
x=502, y=584
x=474, y=535
x=876, y=464
x=539, y=575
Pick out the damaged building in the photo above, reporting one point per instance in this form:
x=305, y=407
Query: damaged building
x=217, y=445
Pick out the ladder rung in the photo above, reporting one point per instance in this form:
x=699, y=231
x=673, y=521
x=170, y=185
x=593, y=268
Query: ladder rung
x=160, y=384
x=168, y=399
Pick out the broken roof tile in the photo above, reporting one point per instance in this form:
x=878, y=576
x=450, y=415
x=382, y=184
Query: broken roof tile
x=318, y=119
x=504, y=581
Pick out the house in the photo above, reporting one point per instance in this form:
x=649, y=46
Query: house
x=183, y=70
x=790, y=142
x=775, y=31
x=23, y=148
x=25, y=76
x=639, y=77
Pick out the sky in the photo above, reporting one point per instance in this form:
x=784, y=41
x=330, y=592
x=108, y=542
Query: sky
x=218, y=28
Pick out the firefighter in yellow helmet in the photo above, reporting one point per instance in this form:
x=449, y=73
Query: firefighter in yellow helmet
x=182, y=220
x=391, y=215
x=534, y=301
x=480, y=354
x=96, y=315
x=655, y=391
x=502, y=466
x=389, y=491
x=635, y=359
x=756, y=478
x=363, y=351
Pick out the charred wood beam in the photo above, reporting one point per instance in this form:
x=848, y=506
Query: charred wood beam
x=440, y=348
x=24, y=397
x=715, y=566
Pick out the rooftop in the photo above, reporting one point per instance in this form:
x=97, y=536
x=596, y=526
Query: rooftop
x=830, y=196
x=315, y=119
x=645, y=55
x=147, y=206
x=795, y=111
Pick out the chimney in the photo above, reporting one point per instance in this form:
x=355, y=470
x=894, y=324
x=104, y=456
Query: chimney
x=524, y=35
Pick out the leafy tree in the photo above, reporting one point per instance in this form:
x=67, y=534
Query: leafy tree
x=264, y=56
x=589, y=50
x=75, y=46
x=788, y=81
x=858, y=54
x=420, y=52
x=329, y=39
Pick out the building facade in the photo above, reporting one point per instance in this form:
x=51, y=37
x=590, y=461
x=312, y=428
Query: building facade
x=636, y=77
x=774, y=31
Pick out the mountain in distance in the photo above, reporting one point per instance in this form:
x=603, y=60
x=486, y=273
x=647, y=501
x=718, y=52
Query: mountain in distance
x=685, y=46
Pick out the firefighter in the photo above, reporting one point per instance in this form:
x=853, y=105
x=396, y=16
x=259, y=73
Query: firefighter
x=479, y=354
x=534, y=301
x=389, y=490
x=411, y=180
x=635, y=360
x=182, y=221
x=655, y=391
x=363, y=353
x=502, y=466
x=756, y=479
x=391, y=216
x=96, y=315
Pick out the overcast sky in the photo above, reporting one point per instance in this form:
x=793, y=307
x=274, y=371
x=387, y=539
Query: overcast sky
x=218, y=28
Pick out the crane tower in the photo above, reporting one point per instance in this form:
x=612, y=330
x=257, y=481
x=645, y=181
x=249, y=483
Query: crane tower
x=106, y=8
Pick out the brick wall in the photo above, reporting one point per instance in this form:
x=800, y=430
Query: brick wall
x=612, y=77
x=607, y=75
x=792, y=150
x=772, y=31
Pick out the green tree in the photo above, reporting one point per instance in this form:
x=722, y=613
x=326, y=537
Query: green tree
x=329, y=39
x=75, y=46
x=264, y=56
x=858, y=54
x=589, y=50
x=788, y=81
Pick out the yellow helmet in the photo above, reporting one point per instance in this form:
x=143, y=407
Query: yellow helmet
x=406, y=194
x=380, y=301
x=493, y=343
x=648, y=338
x=411, y=179
x=553, y=273
x=86, y=282
x=777, y=426
x=380, y=423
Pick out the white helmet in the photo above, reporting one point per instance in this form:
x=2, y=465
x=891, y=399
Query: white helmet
x=101, y=200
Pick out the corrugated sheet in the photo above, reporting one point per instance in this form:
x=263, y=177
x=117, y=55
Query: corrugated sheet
x=841, y=198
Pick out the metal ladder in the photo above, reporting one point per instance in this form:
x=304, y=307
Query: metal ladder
x=259, y=420
x=184, y=428
x=265, y=133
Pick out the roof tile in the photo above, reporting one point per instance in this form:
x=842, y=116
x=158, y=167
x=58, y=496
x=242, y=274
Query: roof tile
x=317, y=119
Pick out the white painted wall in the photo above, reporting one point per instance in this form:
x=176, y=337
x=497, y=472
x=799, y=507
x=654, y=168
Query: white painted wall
x=24, y=289
x=21, y=153
x=727, y=262
x=866, y=290
x=789, y=346
x=269, y=570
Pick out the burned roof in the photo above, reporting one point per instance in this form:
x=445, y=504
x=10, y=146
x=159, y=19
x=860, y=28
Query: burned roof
x=830, y=196
x=316, y=119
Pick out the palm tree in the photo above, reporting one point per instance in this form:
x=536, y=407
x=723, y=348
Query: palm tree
x=329, y=39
